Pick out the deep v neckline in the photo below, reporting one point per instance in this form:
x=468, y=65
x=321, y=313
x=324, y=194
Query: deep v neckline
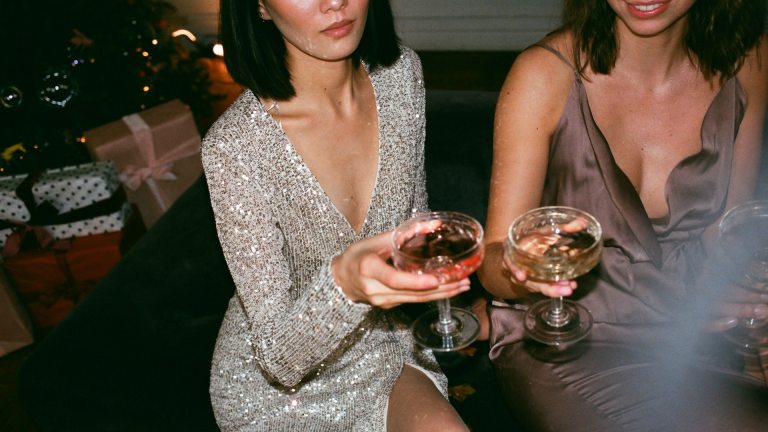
x=703, y=143
x=312, y=179
x=705, y=146
x=623, y=192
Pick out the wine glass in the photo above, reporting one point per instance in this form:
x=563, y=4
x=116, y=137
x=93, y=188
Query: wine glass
x=743, y=242
x=552, y=244
x=448, y=245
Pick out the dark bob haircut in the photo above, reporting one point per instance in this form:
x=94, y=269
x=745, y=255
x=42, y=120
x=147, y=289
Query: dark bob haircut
x=718, y=36
x=255, y=51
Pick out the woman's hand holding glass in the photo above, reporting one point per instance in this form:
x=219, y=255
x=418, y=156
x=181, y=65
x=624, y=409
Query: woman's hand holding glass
x=738, y=305
x=365, y=276
x=742, y=244
x=554, y=245
x=563, y=288
x=448, y=245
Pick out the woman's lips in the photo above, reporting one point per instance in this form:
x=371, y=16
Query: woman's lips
x=339, y=28
x=647, y=10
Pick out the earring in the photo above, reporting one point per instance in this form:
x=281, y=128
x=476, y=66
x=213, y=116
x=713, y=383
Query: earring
x=261, y=16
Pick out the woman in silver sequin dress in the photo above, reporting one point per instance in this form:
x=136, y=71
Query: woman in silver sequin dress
x=307, y=171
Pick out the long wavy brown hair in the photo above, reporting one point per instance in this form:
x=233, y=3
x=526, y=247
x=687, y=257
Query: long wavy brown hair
x=718, y=36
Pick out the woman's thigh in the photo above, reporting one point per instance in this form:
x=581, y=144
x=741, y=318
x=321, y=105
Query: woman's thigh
x=415, y=404
x=613, y=387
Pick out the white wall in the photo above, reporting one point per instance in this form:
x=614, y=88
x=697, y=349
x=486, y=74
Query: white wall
x=436, y=24
x=474, y=24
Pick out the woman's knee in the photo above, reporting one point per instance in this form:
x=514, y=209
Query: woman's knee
x=415, y=404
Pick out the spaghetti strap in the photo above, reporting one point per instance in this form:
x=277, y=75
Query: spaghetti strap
x=556, y=53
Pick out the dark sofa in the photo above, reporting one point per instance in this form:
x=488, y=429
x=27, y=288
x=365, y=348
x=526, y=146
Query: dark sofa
x=135, y=353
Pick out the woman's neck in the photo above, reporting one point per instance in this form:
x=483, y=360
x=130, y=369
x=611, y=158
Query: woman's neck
x=327, y=85
x=652, y=61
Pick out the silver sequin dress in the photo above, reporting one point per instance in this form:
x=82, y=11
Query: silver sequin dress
x=293, y=354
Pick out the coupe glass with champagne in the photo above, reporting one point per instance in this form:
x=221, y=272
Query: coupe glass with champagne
x=448, y=245
x=551, y=244
x=743, y=242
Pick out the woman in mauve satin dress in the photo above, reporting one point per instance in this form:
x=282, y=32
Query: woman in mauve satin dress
x=649, y=115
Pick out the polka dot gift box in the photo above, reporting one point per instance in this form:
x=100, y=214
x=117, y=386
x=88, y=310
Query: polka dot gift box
x=12, y=208
x=86, y=199
x=76, y=186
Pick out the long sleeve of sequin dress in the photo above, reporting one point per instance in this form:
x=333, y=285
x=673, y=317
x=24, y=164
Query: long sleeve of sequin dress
x=291, y=329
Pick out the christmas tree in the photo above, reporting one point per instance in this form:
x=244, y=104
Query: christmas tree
x=74, y=65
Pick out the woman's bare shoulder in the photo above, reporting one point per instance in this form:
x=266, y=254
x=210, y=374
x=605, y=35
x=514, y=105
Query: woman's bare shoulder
x=540, y=73
x=539, y=62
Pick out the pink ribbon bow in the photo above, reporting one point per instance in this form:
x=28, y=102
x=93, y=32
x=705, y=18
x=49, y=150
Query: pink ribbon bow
x=133, y=176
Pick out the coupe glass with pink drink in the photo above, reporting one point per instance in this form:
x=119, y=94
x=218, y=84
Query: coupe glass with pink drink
x=448, y=245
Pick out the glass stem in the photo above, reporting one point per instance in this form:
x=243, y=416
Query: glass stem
x=445, y=324
x=557, y=315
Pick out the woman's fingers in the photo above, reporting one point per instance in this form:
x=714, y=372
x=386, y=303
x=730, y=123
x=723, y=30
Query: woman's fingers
x=514, y=270
x=738, y=294
x=424, y=227
x=576, y=225
x=741, y=310
x=721, y=324
x=376, y=268
x=550, y=289
x=554, y=289
x=385, y=297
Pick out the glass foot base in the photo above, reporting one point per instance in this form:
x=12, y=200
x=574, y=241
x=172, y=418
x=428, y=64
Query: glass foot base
x=466, y=331
x=563, y=353
x=572, y=329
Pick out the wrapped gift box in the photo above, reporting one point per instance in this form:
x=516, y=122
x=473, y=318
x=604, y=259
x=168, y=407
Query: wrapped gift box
x=106, y=223
x=87, y=198
x=12, y=208
x=15, y=327
x=156, y=152
x=77, y=186
x=51, y=279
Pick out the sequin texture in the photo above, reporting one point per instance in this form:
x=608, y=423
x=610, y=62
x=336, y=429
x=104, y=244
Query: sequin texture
x=293, y=353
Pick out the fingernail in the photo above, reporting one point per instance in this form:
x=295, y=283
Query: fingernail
x=728, y=323
x=761, y=311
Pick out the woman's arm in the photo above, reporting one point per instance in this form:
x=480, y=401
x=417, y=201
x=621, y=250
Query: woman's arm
x=745, y=167
x=749, y=142
x=418, y=115
x=745, y=174
x=291, y=334
x=530, y=104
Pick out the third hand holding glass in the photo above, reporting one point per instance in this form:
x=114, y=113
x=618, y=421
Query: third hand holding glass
x=743, y=247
